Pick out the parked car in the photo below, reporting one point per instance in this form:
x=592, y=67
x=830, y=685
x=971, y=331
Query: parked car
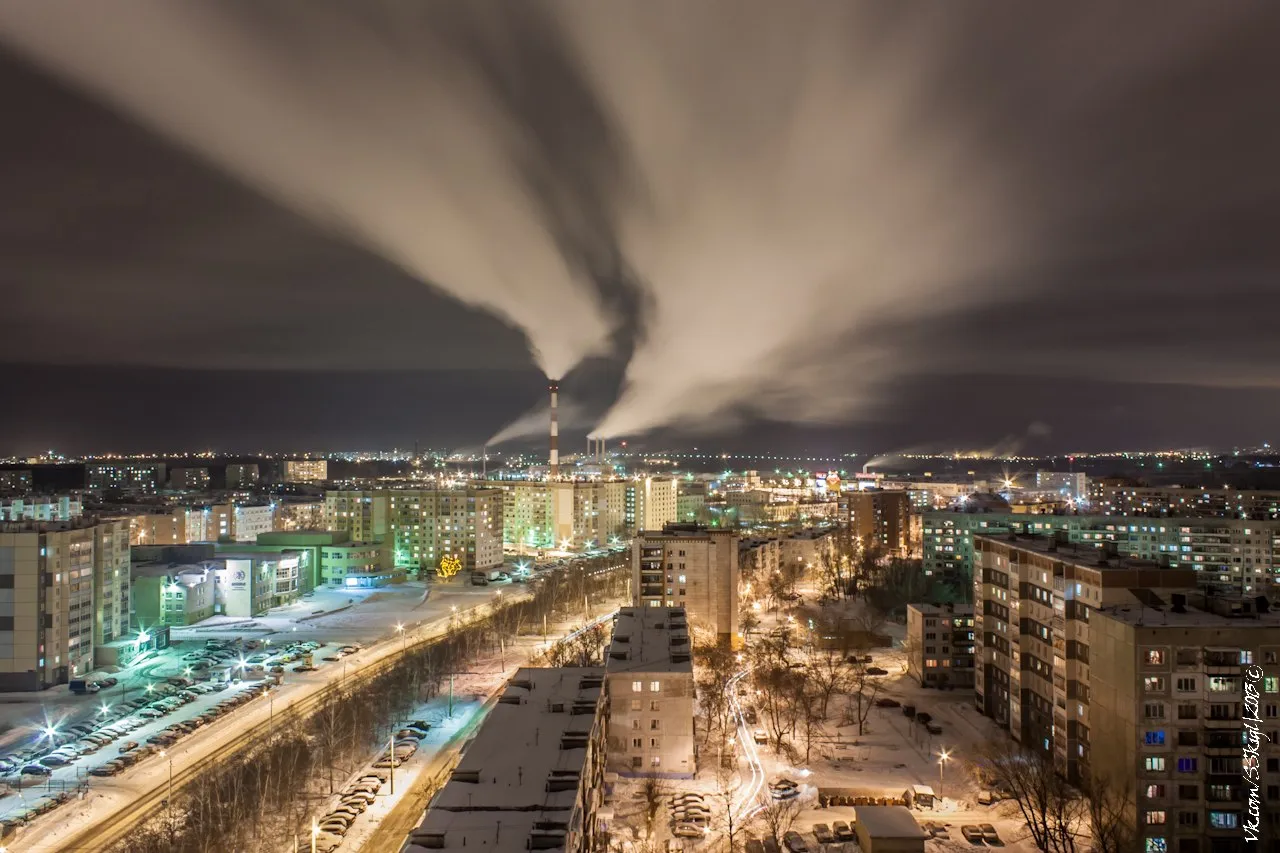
x=688, y=830
x=886, y=702
x=128, y=746
x=760, y=736
x=933, y=728
x=36, y=770
x=771, y=845
x=754, y=846
x=989, y=834
x=972, y=834
x=794, y=842
x=876, y=670
x=822, y=832
x=843, y=831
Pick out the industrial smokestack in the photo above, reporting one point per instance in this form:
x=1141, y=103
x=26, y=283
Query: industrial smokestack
x=554, y=388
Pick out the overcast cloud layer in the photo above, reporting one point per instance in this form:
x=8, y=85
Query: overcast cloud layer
x=815, y=202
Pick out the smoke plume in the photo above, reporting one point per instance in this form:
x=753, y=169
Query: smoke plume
x=536, y=422
x=374, y=119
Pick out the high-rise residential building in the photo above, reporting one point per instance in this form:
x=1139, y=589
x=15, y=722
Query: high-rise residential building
x=693, y=567
x=189, y=479
x=650, y=503
x=299, y=515
x=1184, y=696
x=940, y=644
x=649, y=670
x=242, y=475
x=879, y=517
x=536, y=514
x=532, y=778
x=306, y=471
x=47, y=607
x=248, y=521
x=361, y=514
x=41, y=508
x=1238, y=554
x=424, y=526
x=599, y=512
x=111, y=576
x=1177, y=502
x=1035, y=599
x=691, y=501
x=1069, y=485
x=144, y=477
x=759, y=556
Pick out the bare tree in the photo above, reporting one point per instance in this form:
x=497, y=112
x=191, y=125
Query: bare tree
x=863, y=691
x=829, y=672
x=777, y=818
x=809, y=716
x=653, y=796
x=725, y=798
x=1053, y=811
x=1112, y=822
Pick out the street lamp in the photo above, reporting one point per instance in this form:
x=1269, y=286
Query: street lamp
x=943, y=758
x=315, y=831
x=169, y=802
x=404, y=639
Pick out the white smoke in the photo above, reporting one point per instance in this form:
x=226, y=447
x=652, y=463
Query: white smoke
x=537, y=422
x=402, y=150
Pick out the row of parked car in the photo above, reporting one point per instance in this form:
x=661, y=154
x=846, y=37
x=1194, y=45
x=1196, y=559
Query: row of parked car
x=352, y=802
x=360, y=794
x=690, y=817
x=405, y=743
x=14, y=821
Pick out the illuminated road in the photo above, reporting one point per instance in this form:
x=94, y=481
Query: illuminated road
x=752, y=794
x=121, y=803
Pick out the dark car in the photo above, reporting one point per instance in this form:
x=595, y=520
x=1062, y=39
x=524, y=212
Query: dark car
x=842, y=830
x=971, y=834
x=933, y=728
x=795, y=842
x=771, y=846
x=822, y=832
x=875, y=670
x=908, y=711
x=924, y=718
x=886, y=702
x=989, y=834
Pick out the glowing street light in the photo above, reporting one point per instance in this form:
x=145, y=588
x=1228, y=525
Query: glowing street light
x=50, y=732
x=404, y=639
x=106, y=709
x=943, y=758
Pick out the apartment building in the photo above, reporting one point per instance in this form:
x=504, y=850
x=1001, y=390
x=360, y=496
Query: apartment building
x=189, y=479
x=242, y=475
x=1034, y=602
x=533, y=777
x=111, y=575
x=691, y=501
x=804, y=547
x=599, y=512
x=537, y=514
x=41, y=508
x=1181, y=688
x=1069, y=485
x=248, y=521
x=940, y=645
x=363, y=515
x=879, y=517
x=424, y=526
x=145, y=477
x=299, y=515
x=306, y=471
x=649, y=669
x=1178, y=502
x=211, y=523
x=1234, y=554
x=759, y=557
x=651, y=503
x=15, y=480
x=46, y=602
x=691, y=567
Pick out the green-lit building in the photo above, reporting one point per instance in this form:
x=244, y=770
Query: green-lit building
x=330, y=557
x=1238, y=554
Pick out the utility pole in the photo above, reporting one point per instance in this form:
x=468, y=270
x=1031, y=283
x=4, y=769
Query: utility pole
x=392, y=761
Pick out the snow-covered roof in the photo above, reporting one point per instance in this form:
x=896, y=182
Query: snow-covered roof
x=517, y=784
x=888, y=822
x=650, y=639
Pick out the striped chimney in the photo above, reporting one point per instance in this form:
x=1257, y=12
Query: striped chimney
x=554, y=388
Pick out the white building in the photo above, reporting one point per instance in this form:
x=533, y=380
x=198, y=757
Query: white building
x=652, y=503
x=251, y=520
x=306, y=471
x=650, y=675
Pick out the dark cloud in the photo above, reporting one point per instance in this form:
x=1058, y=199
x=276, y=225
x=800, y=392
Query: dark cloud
x=864, y=219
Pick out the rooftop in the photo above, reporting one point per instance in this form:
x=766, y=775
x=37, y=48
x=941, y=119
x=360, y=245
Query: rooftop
x=163, y=570
x=650, y=639
x=1093, y=555
x=517, y=783
x=959, y=609
x=889, y=822
x=1194, y=608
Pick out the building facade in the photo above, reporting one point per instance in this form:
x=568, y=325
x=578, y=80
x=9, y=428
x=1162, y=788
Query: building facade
x=189, y=479
x=940, y=645
x=690, y=567
x=1237, y=554
x=59, y=508
x=242, y=475
x=651, y=504
x=879, y=517
x=249, y=521
x=46, y=602
x=111, y=572
x=599, y=512
x=306, y=471
x=1176, y=502
x=299, y=515
x=649, y=669
x=174, y=595
x=143, y=477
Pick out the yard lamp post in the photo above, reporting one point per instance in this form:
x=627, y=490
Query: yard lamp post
x=168, y=803
x=404, y=638
x=943, y=758
x=315, y=831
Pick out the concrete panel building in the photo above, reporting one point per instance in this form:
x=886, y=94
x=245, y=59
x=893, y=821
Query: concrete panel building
x=691, y=567
x=189, y=479
x=111, y=574
x=650, y=679
x=174, y=595
x=41, y=508
x=46, y=602
x=940, y=644
x=143, y=477
x=533, y=776
x=242, y=475
x=306, y=471
x=651, y=503
x=879, y=517
x=299, y=515
x=251, y=520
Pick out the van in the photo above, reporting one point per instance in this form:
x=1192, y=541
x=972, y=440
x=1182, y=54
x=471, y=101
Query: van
x=81, y=686
x=479, y=578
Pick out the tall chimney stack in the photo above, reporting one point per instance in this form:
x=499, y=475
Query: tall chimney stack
x=554, y=388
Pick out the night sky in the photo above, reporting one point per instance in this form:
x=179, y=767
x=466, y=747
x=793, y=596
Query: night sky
x=816, y=226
